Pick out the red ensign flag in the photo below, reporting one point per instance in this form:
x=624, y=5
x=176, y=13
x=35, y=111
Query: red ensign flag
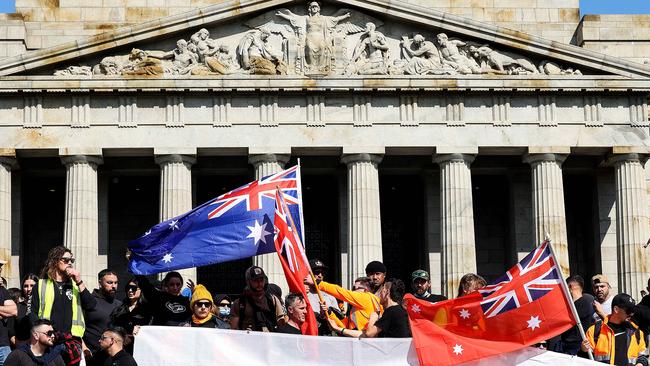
x=525, y=306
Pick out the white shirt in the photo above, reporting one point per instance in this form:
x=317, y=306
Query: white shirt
x=315, y=302
x=607, y=307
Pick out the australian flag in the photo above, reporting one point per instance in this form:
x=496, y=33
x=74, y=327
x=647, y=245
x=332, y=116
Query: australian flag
x=235, y=225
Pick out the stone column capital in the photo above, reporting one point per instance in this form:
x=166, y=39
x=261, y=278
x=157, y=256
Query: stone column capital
x=93, y=160
x=175, y=158
x=456, y=157
x=542, y=157
x=256, y=159
x=362, y=157
x=617, y=159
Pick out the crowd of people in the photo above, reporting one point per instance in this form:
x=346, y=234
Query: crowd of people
x=56, y=320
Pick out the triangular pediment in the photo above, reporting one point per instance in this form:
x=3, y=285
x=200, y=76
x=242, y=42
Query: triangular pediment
x=348, y=38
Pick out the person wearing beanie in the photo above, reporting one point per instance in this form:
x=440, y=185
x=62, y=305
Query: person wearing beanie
x=201, y=305
x=376, y=271
x=221, y=309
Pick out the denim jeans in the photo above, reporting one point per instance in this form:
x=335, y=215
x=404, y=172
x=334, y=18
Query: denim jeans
x=4, y=352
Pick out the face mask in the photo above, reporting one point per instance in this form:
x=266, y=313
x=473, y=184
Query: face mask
x=224, y=311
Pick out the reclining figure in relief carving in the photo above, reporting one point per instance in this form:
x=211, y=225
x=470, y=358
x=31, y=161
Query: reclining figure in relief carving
x=503, y=62
x=421, y=57
x=141, y=64
x=370, y=56
x=452, y=56
x=74, y=71
x=258, y=57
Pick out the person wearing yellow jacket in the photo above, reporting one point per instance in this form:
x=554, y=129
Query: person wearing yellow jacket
x=361, y=302
x=617, y=340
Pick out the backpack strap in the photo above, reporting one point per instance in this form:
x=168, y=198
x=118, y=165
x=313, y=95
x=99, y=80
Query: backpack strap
x=597, y=326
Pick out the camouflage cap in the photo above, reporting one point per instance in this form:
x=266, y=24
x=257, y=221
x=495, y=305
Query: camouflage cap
x=420, y=273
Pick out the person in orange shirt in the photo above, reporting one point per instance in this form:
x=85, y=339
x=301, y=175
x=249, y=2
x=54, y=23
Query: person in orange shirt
x=361, y=301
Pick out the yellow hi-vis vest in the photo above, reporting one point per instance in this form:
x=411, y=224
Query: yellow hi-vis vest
x=46, y=300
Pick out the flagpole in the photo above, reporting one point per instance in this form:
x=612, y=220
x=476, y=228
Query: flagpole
x=567, y=295
x=304, y=255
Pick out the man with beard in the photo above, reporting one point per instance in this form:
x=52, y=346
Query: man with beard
x=421, y=284
x=257, y=309
x=39, y=351
x=97, y=319
x=376, y=272
x=603, y=304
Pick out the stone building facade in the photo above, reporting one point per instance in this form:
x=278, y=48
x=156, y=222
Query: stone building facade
x=446, y=135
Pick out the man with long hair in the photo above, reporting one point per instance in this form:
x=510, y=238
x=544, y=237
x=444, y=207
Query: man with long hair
x=60, y=294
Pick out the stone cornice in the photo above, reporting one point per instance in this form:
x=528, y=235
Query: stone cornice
x=252, y=83
x=398, y=10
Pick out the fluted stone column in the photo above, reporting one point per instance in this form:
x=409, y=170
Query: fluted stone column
x=364, y=220
x=82, y=214
x=267, y=164
x=457, y=243
x=176, y=191
x=549, y=217
x=8, y=271
x=631, y=223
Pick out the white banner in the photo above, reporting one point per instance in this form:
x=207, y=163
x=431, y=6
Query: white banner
x=174, y=346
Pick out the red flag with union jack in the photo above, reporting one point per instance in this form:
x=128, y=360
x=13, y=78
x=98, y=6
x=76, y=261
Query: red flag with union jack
x=525, y=306
x=293, y=258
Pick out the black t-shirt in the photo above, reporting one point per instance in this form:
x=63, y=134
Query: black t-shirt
x=432, y=298
x=394, y=323
x=585, y=308
x=620, y=339
x=61, y=315
x=121, y=359
x=167, y=309
x=288, y=329
x=98, y=319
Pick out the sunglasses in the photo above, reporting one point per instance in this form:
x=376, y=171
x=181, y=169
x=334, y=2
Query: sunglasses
x=224, y=305
x=49, y=333
x=131, y=288
x=67, y=260
x=203, y=304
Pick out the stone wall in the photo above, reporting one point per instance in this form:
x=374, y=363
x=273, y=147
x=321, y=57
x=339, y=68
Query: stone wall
x=624, y=36
x=46, y=23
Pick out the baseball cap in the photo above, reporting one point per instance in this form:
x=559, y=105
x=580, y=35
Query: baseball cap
x=625, y=302
x=420, y=273
x=255, y=272
x=599, y=278
x=317, y=263
x=375, y=266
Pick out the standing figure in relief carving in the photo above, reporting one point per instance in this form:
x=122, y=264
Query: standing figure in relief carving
x=490, y=59
x=317, y=42
x=451, y=56
x=371, y=54
x=422, y=55
x=258, y=57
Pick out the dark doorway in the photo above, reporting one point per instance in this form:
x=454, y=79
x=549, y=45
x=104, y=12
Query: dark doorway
x=321, y=212
x=43, y=210
x=581, y=223
x=402, y=224
x=491, y=225
x=133, y=205
x=228, y=277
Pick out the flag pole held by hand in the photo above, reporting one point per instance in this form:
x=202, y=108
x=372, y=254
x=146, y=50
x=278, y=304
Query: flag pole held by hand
x=295, y=234
x=567, y=295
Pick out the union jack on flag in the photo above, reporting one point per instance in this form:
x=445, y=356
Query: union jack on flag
x=535, y=276
x=252, y=194
x=286, y=241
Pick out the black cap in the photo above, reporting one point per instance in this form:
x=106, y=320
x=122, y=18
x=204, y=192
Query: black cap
x=254, y=272
x=317, y=263
x=375, y=266
x=625, y=302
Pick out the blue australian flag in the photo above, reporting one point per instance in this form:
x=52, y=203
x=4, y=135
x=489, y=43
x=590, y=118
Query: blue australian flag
x=235, y=225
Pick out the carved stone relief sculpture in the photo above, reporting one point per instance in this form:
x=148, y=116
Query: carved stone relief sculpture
x=281, y=42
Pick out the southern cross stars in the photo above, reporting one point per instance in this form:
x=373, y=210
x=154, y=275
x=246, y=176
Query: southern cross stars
x=458, y=349
x=173, y=224
x=464, y=313
x=167, y=258
x=258, y=232
x=533, y=322
x=415, y=308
